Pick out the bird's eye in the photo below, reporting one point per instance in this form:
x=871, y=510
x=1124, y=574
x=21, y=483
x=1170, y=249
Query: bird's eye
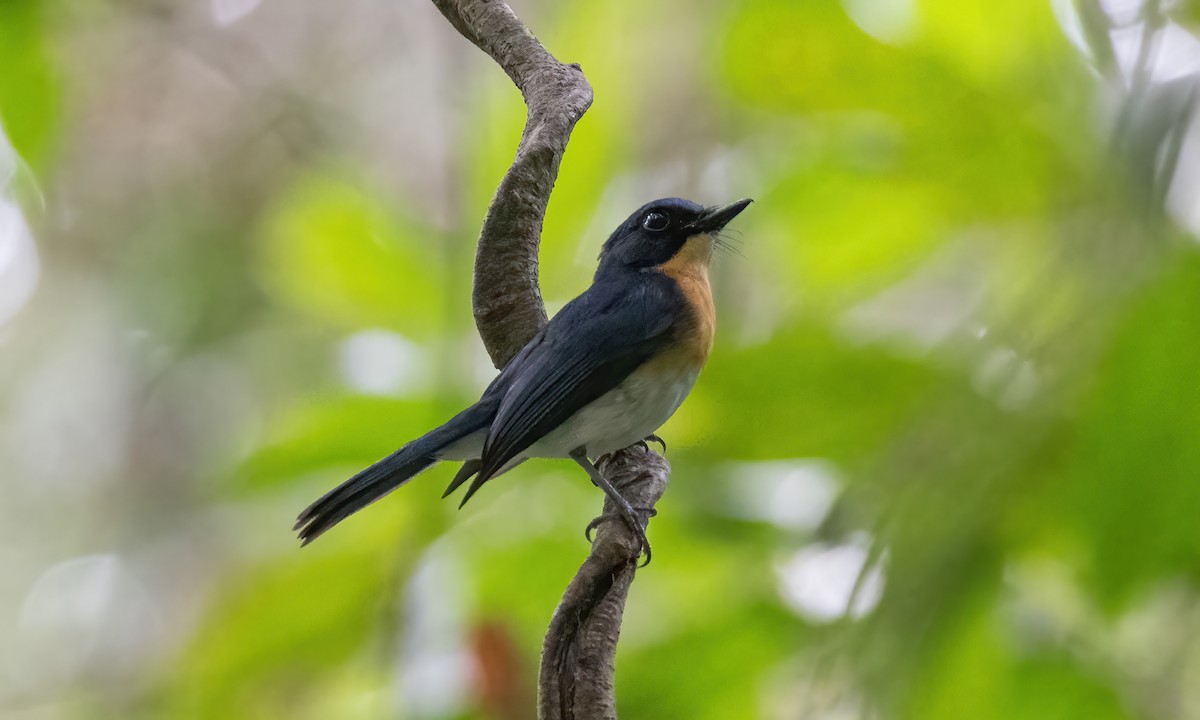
x=655, y=221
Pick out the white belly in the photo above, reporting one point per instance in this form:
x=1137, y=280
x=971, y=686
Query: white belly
x=619, y=418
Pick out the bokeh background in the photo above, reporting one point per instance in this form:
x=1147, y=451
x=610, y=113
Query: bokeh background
x=945, y=461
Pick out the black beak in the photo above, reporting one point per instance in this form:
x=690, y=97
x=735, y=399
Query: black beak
x=716, y=218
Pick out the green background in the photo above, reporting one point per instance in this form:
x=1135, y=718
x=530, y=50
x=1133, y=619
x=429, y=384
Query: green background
x=959, y=343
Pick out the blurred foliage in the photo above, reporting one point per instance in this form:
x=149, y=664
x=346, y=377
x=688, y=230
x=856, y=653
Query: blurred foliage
x=966, y=307
x=29, y=88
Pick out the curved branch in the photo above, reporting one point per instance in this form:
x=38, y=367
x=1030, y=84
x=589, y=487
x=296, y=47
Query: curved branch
x=507, y=302
x=576, y=678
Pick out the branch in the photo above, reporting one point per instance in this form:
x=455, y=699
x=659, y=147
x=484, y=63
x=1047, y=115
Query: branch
x=576, y=679
x=507, y=302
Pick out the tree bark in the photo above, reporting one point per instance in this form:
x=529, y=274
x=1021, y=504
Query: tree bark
x=578, y=655
x=506, y=300
x=576, y=677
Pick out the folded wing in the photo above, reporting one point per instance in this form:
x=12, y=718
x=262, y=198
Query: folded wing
x=589, y=348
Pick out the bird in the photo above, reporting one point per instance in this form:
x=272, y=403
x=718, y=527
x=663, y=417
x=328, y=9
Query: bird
x=606, y=372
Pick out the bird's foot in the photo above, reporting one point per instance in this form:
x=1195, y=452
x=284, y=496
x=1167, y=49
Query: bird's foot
x=635, y=523
x=626, y=511
x=654, y=438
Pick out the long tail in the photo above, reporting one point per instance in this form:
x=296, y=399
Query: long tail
x=388, y=474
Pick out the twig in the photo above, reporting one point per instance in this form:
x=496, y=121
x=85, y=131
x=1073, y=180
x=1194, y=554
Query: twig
x=576, y=678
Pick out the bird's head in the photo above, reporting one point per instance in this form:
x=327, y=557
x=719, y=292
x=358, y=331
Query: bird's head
x=662, y=230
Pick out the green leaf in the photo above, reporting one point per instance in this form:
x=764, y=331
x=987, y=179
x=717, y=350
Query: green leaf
x=829, y=399
x=274, y=638
x=1131, y=474
x=345, y=433
x=981, y=672
x=332, y=253
x=29, y=91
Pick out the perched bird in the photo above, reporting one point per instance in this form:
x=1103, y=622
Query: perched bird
x=605, y=373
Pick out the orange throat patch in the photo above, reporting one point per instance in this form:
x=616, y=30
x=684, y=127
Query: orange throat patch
x=689, y=269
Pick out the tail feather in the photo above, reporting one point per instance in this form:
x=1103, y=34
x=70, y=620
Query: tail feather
x=386, y=475
x=361, y=490
x=474, y=468
x=465, y=472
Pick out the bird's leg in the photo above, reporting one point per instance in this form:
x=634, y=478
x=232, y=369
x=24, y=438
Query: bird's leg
x=626, y=511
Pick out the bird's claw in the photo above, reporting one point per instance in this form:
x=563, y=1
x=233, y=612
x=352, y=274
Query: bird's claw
x=638, y=526
x=654, y=438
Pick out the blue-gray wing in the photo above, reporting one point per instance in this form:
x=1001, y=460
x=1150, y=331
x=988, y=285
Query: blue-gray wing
x=589, y=348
